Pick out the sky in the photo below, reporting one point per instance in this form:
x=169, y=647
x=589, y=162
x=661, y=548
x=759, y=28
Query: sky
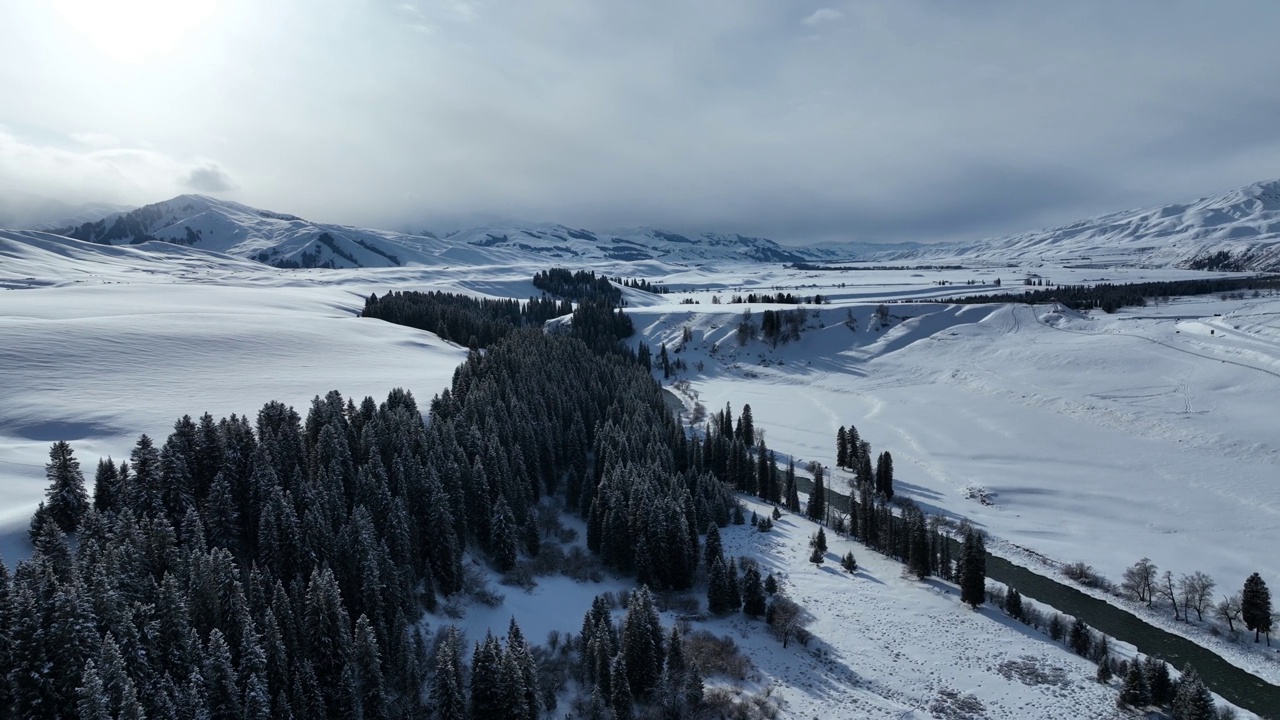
x=901, y=120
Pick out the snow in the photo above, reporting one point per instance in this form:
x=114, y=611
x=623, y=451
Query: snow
x=1101, y=439
x=885, y=646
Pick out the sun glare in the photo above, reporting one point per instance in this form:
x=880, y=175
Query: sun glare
x=132, y=31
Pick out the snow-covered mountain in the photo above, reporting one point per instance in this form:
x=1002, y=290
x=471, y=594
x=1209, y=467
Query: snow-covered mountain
x=289, y=241
x=1238, y=230
x=273, y=238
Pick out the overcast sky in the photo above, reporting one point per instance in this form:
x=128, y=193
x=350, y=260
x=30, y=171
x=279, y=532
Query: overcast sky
x=874, y=121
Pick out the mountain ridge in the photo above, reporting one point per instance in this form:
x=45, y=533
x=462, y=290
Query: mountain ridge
x=1235, y=230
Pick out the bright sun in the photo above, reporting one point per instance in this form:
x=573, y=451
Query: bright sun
x=135, y=30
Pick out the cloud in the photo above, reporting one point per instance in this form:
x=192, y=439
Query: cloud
x=109, y=174
x=209, y=177
x=822, y=15
x=893, y=120
x=96, y=139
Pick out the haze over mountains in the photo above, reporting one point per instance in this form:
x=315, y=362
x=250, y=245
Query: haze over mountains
x=1238, y=230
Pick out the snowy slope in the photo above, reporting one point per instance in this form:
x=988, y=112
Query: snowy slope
x=1099, y=440
x=273, y=238
x=1244, y=224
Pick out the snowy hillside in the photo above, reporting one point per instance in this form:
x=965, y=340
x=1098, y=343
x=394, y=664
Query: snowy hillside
x=1090, y=439
x=288, y=241
x=1238, y=230
x=276, y=239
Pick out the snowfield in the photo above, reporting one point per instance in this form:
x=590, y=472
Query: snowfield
x=1100, y=438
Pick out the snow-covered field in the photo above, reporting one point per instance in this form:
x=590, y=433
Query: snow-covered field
x=1101, y=439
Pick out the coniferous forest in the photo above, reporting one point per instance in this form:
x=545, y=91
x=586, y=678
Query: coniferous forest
x=276, y=566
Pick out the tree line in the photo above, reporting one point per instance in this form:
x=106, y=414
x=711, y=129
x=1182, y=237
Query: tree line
x=462, y=318
x=582, y=286
x=1111, y=297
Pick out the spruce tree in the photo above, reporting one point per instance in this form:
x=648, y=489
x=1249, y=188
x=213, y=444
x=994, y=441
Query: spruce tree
x=754, y=600
x=746, y=427
x=486, y=674
x=1013, y=604
x=1159, y=684
x=719, y=598
x=1193, y=701
x=712, y=548
x=770, y=584
x=1104, y=670
x=1079, y=638
x=66, y=499
x=817, y=507
x=642, y=643
x=973, y=570
x=447, y=694
x=621, y=699
x=842, y=448
x=106, y=486
x=1255, y=607
x=793, y=492
x=884, y=475
x=520, y=659
x=1135, y=692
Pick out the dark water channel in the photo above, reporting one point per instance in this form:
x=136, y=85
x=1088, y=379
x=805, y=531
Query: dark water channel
x=1238, y=686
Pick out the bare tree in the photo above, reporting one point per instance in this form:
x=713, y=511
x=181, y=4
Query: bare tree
x=1229, y=610
x=1197, y=593
x=1168, y=591
x=786, y=619
x=1140, y=581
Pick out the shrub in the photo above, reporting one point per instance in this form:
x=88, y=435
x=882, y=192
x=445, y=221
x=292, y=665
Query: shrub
x=717, y=655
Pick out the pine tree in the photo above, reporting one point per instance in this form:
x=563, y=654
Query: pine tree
x=486, y=674
x=754, y=600
x=1079, y=638
x=621, y=698
x=525, y=667
x=817, y=556
x=1104, y=670
x=973, y=570
x=220, y=679
x=817, y=507
x=447, y=694
x=849, y=562
x=1135, y=692
x=793, y=492
x=712, y=548
x=1013, y=604
x=92, y=703
x=642, y=643
x=842, y=448
x=367, y=659
x=67, y=501
x=884, y=475
x=502, y=537
x=1193, y=701
x=719, y=598
x=106, y=486
x=1255, y=607
x=746, y=427
x=1159, y=684
x=770, y=584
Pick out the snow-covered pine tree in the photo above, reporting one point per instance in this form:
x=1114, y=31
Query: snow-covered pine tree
x=66, y=499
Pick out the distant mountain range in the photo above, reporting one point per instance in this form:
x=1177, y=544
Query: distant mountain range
x=1239, y=230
